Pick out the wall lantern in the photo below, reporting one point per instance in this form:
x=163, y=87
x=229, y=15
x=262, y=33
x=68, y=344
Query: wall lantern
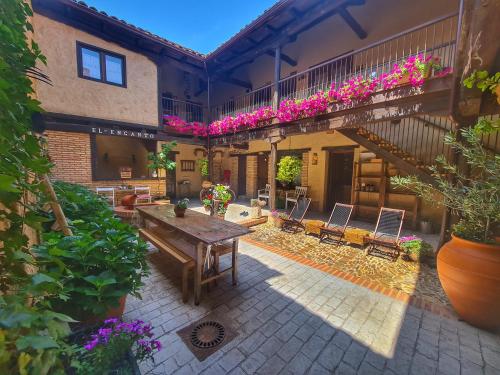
x=315, y=159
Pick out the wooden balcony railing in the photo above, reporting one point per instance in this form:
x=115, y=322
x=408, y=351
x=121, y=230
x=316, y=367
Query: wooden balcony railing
x=436, y=38
x=189, y=112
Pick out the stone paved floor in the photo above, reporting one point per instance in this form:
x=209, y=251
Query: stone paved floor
x=293, y=319
x=413, y=278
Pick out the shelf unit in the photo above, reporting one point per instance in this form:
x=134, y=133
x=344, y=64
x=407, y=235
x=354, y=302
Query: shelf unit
x=368, y=203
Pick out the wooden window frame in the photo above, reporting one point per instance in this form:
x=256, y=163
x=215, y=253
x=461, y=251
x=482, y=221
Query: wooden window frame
x=102, y=64
x=187, y=166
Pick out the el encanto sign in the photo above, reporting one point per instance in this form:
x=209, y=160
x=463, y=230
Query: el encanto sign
x=123, y=133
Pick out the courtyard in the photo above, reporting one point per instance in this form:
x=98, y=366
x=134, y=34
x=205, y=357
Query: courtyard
x=291, y=318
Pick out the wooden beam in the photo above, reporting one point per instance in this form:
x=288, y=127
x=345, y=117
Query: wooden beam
x=351, y=21
x=309, y=17
x=386, y=155
x=237, y=82
x=284, y=57
x=277, y=76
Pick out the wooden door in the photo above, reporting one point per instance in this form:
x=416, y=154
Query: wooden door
x=340, y=169
x=242, y=175
x=262, y=170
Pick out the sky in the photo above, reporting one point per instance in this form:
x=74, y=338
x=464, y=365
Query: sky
x=201, y=25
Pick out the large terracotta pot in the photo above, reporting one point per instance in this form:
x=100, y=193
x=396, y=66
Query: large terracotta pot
x=470, y=274
x=114, y=312
x=128, y=201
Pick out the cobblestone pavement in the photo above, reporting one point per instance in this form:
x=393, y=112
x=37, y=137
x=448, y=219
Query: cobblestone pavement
x=293, y=319
x=413, y=278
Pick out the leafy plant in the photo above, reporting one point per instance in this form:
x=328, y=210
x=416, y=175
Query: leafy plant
x=222, y=193
x=416, y=246
x=203, y=164
x=206, y=202
x=103, y=261
x=161, y=160
x=183, y=203
x=31, y=334
x=106, y=349
x=474, y=197
x=483, y=81
x=289, y=168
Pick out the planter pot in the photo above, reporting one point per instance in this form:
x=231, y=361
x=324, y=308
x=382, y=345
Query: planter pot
x=206, y=184
x=470, y=275
x=207, y=208
x=179, y=212
x=497, y=93
x=405, y=79
x=128, y=201
x=426, y=227
x=114, y=312
x=278, y=222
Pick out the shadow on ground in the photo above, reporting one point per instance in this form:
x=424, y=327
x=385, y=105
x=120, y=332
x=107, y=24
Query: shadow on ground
x=293, y=319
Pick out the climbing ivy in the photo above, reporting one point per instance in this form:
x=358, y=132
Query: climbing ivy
x=29, y=331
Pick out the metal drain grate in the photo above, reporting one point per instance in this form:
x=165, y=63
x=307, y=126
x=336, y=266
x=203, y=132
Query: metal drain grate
x=208, y=334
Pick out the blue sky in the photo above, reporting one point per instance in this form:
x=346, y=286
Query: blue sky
x=198, y=24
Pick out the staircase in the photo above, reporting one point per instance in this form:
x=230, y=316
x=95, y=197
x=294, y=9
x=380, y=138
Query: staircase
x=412, y=144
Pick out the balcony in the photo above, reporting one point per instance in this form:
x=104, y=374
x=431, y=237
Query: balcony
x=187, y=111
x=435, y=38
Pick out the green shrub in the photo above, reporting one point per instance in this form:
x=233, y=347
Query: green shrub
x=103, y=261
x=289, y=168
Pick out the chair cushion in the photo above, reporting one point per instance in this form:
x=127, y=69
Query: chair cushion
x=143, y=196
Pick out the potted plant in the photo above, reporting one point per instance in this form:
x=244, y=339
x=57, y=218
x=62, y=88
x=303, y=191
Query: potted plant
x=180, y=207
x=222, y=198
x=207, y=203
x=98, y=266
x=278, y=218
x=469, y=264
x=114, y=347
x=289, y=168
x=415, y=248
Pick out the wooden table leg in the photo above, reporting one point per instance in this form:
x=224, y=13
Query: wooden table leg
x=235, y=261
x=198, y=272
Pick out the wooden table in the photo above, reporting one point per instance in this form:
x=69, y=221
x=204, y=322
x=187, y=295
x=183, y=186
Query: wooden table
x=204, y=232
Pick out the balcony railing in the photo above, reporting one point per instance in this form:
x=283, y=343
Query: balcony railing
x=435, y=38
x=190, y=112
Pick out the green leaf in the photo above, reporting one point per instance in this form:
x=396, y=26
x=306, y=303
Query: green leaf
x=36, y=342
x=8, y=183
x=40, y=278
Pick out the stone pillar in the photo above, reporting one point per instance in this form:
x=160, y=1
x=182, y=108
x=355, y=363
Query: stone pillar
x=251, y=176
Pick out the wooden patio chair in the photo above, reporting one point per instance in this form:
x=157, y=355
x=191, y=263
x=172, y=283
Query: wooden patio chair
x=294, y=221
x=108, y=193
x=264, y=193
x=384, y=241
x=294, y=196
x=333, y=230
x=143, y=194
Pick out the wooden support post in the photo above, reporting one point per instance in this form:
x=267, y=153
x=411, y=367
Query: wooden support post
x=235, y=261
x=198, y=272
x=277, y=76
x=56, y=207
x=272, y=170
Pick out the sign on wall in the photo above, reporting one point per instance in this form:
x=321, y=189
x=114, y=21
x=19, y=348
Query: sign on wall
x=125, y=172
x=123, y=133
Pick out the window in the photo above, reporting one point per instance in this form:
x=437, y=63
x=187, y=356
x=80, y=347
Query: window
x=112, y=154
x=187, y=165
x=100, y=65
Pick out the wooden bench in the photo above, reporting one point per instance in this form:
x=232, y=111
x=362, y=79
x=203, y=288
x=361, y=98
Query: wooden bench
x=186, y=261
